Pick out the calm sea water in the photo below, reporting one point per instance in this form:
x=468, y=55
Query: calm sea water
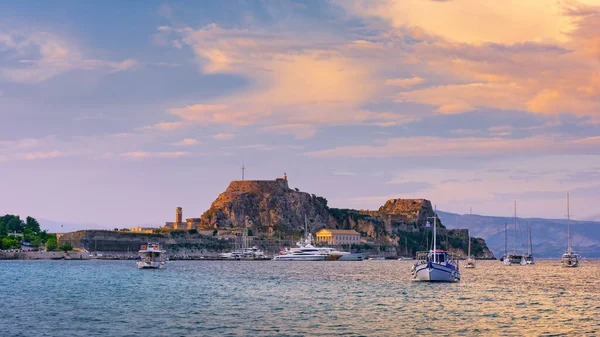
x=272, y=298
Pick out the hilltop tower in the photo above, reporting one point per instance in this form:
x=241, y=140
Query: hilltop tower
x=178, y=215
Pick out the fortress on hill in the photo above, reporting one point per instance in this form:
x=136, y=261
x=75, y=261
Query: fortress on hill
x=235, y=187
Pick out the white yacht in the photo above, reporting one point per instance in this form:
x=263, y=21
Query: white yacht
x=338, y=255
x=151, y=257
x=304, y=252
x=436, y=265
x=569, y=258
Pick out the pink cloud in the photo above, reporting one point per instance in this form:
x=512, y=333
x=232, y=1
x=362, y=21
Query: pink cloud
x=470, y=146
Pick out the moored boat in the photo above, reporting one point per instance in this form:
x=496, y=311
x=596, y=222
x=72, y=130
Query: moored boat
x=569, y=258
x=436, y=265
x=514, y=258
x=151, y=257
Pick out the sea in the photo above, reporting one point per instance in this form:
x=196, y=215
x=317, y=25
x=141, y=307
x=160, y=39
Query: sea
x=275, y=298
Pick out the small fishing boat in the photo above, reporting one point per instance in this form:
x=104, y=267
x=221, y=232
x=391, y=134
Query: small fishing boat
x=569, y=258
x=151, y=257
x=436, y=265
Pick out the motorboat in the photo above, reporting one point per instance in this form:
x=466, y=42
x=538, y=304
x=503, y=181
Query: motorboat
x=304, y=252
x=151, y=257
x=436, y=265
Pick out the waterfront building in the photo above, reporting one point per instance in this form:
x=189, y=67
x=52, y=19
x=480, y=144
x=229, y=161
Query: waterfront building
x=338, y=236
x=149, y=230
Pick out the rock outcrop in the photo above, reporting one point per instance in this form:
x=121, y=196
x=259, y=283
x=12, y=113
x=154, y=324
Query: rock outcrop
x=271, y=206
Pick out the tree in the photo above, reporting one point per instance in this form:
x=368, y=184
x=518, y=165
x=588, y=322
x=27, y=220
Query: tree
x=32, y=224
x=15, y=224
x=65, y=247
x=36, y=241
x=51, y=244
x=8, y=243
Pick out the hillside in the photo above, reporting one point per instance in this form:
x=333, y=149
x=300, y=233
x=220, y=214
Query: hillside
x=549, y=236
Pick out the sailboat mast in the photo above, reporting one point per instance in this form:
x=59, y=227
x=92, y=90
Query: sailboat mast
x=434, y=237
x=469, y=231
x=505, y=239
x=515, y=249
x=568, y=224
x=530, y=240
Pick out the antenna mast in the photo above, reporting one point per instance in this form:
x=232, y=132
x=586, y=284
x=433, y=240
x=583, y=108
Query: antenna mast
x=243, y=171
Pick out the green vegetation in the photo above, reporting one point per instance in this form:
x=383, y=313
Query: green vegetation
x=342, y=214
x=29, y=229
x=51, y=244
x=65, y=247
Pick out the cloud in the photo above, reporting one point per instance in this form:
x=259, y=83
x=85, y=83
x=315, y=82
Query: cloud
x=223, y=136
x=142, y=154
x=300, y=131
x=404, y=82
x=545, y=62
x=265, y=147
x=299, y=84
x=344, y=173
x=470, y=147
x=163, y=126
x=471, y=21
x=187, y=142
x=38, y=56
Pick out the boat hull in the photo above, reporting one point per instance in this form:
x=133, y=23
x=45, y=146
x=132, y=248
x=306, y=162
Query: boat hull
x=150, y=265
x=570, y=260
x=300, y=258
x=353, y=257
x=434, y=272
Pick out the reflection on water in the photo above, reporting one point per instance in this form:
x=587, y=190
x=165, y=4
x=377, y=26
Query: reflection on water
x=271, y=298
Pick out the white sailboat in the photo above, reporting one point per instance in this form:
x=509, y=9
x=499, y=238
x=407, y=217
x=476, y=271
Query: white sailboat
x=529, y=256
x=435, y=265
x=514, y=258
x=470, y=259
x=569, y=258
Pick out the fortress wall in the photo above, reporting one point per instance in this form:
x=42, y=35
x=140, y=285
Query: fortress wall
x=248, y=186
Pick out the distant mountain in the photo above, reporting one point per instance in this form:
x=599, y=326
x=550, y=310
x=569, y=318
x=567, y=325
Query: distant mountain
x=549, y=235
x=62, y=227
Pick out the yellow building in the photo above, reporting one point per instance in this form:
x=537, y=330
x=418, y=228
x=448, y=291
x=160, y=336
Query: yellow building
x=338, y=236
x=142, y=229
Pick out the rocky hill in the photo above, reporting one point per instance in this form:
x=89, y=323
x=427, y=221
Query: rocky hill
x=271, y=207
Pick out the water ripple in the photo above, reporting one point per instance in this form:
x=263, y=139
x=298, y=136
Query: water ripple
x=370, y=298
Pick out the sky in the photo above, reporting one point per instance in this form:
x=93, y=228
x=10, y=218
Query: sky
x=114, y=113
